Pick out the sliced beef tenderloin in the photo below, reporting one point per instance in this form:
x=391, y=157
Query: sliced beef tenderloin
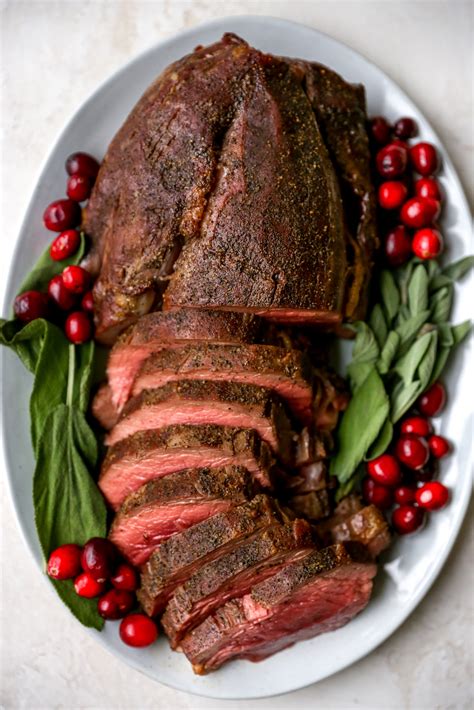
x=234, y=574
x=318, y=593
x=207, y=402
x=177, y=559
x=166, y=506
x=366, y=526
x=286, y=372
x=157, y=330
x=103, y=408
x=155, y=453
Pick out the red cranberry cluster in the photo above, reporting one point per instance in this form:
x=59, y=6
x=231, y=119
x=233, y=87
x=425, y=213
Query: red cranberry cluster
x=68, y=293
x=408, y=203
x=98, y=571
x=403, y=476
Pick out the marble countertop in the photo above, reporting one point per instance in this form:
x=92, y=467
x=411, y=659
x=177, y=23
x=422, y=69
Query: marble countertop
x=54, y=55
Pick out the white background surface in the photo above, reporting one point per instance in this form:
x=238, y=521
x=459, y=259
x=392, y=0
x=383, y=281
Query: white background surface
x=53, y=56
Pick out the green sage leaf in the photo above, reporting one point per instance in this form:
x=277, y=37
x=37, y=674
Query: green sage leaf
x=382, y=442
x=402, y=397
x=442, y=356
x=460, y=331
x=388, y=352
x=378, y=324
x=441, y=303
x=390, y=295
x=365, y=345
x=69, y=507
x=359, y=426
x=408, y=330
x=418, y=290
x=407, y=365
x=439, y=281
x=358, y=373
x=459, y=268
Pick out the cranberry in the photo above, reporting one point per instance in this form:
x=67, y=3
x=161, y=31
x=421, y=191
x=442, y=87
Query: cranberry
x=138, y=630
x=78, y=327
x=432, y=496
x=66, y=244
x=412, y=451
x=82, y=163
x=428, y=187
x=381, y=496
x=385, y=470
x=86, y=586
x=125, y=577
x=427, y=243
x=380, y=130
x=404, y=494
x=79, y=187
x=433, y=400
x=418, y=212
x=65, y=562
x=439, y=446
x=99, y=558
x=76, y=279
x=392, y=194
x=432, y=208
x=418, y=426
x=30, y=305
x=405, y=128
x=424, y=158
x=398, y=246
x=391, y=160
x=60, y=295
x=87, y=302
x=115, y=604
x=61, y=215
x=406, y=519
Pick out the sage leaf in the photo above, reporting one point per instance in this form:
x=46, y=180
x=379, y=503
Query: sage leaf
x=388, y=352
x=404, y=274
x=408, y=329
x=441, y=303
x=402, y=397
x=390, y=295
x=359, y=426
x=439, y=281
x=44, y=350
x=365, y=345
x=378, y=324
x=440, y=363
x=418, y=291
x=425, y=368
x=358, y=373
x=407, y=365
x=69, y=507
x=459, y=268
x=460, y=331
x=382, y=442
x=445, y=335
